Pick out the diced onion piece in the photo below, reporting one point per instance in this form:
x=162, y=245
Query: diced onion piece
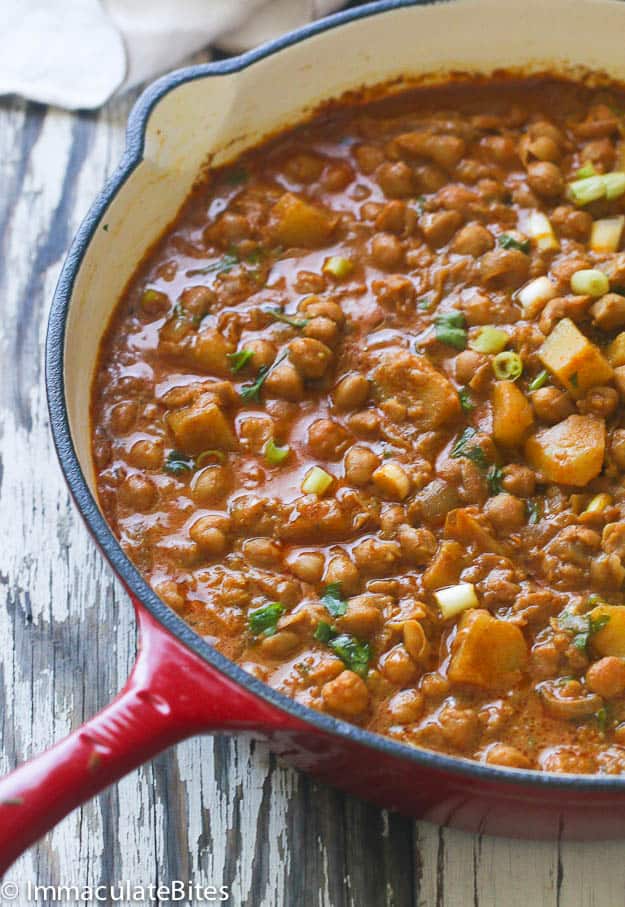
x=454, y=600
x=540, y=230
x=587, y=190
x=508, y=366
x=338, y=266
x=392, y=480
x=316, y=481
x=535, y=295
x=599, y=503
x=590, y=282
x=614, y=184
x=275, y=455
x=489, y=340
x=606, y=233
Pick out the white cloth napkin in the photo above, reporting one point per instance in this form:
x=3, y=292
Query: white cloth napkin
x=78, y=53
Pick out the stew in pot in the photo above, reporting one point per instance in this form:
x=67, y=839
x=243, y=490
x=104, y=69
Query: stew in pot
x=359, y=418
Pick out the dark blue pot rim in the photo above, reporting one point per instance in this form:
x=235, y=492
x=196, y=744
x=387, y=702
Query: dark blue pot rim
x=123, y=567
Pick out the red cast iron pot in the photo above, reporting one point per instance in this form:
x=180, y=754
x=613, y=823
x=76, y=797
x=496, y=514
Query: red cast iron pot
x=181, y=686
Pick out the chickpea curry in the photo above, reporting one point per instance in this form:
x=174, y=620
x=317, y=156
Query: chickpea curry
x=359, y=420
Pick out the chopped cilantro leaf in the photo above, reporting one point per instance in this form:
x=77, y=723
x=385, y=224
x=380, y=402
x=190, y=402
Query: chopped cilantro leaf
x=494, y=477
x=582, y=626
x=574, y=379
x=463, y=448
x=450, y=328
x=534, y=512
x=252, y=391
x=509, y=242
x=324, y=632
x=223, y=265
x=237, y=176
x=465, y=400
x=293, y=322
x=239, y=359
x=333, y=600
x=424, y=303
x=354, y=654
x=263, y=621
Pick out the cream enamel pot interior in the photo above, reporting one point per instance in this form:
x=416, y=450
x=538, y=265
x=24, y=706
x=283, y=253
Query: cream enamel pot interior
x=180, y=685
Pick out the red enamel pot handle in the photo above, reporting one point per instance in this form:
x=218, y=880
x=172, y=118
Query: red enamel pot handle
x=171, y=694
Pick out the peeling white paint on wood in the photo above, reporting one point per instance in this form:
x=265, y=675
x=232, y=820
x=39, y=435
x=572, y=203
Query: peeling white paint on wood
x=215, y=811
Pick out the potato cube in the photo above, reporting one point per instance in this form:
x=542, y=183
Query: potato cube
x=392, y=480
x=201, y=426
x=208, y=352
x=512, y=414
x=428, y=396
x=487, y=652
x=610, y=639
x=616, y=351
x=295, y=222
x=576, y=362
x=570, y=452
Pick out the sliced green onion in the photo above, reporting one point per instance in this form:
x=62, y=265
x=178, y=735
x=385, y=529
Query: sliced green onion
x=507, y=366
x=605, y=235
x=316, y=481
x=586, y=171
x=590, y=282
x=599, y=503
x=210, y=454
x=338, y=267
x=614, y=185
x=489, y=340
x=454, y=600
x=535, y=295
x=540, y=230
x=274, y=454
x=539, y=381
x=588, y=189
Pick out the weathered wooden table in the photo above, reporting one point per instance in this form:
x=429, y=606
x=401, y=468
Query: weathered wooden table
x=219, y=810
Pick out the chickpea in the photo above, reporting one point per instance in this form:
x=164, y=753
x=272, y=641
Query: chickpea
x=506, y=512
x=369, y=157
x=337, y=176
x=146, y=454
x=398, y=667
x=377, y=557
x=545, y=179
x=552, y=405
x=313, y=307
x=138, y=493
x=171, y=594
x=310, y=357
x=434, y=686
x=600, y=401
x=406, y=706
x=507, y=756
x=392, y=480
x=327, y=440
x=617, y=447
x=360, y=464
x=261, y=552
x=346, y=695
x=304, y=167
x=396, y=179
x=123, y=416
x=519, y=480
x=417, y=545
x=466, y=365
x=607, y=677
x=565, y=760
x=473, y=239
x=459, y=726
x=208, y=537
x=543, y=148
x=351, y=392
x=362, y=617
x=307, y=566
x=341, y=570
x=608, y=312
x=285, y=381
x=392, y=217
x=572, y=223
x=386, y=251
x=196, y=301
x=439, y=228
x=365, y=423
x=232, y=227
x=263, y=353
x=416, y=641
x=211, y=484
x=280, y=644
x=504, y=269
x=322, y=329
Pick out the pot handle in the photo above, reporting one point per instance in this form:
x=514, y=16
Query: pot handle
x=170, y=695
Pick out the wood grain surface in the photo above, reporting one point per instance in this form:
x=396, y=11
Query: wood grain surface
x=215, y=810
